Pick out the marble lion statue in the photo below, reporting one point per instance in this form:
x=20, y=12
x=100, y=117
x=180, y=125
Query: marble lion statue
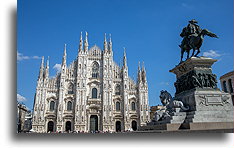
x=169, y=106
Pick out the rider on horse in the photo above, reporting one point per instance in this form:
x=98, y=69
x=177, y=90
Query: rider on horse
x=191, y=30
x=193, y=37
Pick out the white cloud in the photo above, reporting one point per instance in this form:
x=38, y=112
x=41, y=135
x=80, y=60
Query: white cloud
x=21, y=98
x=36, y=57
x=164, y=83
x=211, y=53
x=57, y=67
x=186, y=6
x=21, y=57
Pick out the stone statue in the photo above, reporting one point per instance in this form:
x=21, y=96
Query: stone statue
x=169, y=106
x=193, y=37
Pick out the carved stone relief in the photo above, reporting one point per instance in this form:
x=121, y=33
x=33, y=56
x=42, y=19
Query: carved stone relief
x=210, y=100
x=195, y=79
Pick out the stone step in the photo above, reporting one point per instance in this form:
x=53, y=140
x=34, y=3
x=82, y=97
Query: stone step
x=199, y=119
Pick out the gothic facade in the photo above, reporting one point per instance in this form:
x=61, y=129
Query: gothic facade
x=92, y=93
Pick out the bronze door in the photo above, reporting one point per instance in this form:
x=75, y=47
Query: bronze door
x=93, y=123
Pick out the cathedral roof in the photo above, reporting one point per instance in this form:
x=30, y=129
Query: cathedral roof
x=95, y=50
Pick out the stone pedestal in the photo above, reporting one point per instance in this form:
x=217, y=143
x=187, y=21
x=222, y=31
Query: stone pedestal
x=196, y=87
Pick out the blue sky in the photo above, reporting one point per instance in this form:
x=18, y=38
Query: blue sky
x=149, y=30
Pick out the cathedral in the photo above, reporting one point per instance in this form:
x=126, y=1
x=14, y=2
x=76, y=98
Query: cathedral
x=93, y=93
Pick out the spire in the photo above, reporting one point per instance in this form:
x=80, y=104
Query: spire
x=41, y=68
x=110, y=43
x=143, y=66
x=143, y=73
x=64, y=55
x=105, y=38
x=81, y=42
x=105, y=43
x=86, y=44
x=47, y=68
x=139, y=73
x=42, y=62
x=47, y=64
x=139, y=67
x=124, y=59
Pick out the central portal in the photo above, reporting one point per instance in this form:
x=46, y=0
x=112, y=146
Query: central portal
x=118, y=126
x=93, y=123
x=50, y=127
x=68, y=126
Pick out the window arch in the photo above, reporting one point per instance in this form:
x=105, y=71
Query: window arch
x=95, y=70
x=224, y=86
x=70, y=88
x=230, y=85
x=94, y=92
x=69, y=105
x=117, y=106
x=52, y=105
x=117, y=89
x=133, y=106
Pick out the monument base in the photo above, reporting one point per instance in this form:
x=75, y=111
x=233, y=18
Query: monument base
x=166, y=126
x=196, y=88
x=209, y=125
x=189, y=126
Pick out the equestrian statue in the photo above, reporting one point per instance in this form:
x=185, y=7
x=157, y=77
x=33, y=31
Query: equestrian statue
x=193, y=37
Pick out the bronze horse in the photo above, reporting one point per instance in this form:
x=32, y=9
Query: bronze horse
x=195, y=42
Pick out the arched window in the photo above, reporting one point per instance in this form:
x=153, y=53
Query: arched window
x=224, y=86
x=117, y=106
x=69, y=105
x=133, y=106
x=52, y=105
x=70, y=88
x=94, y=93
x=230, y=85
x=95, y=70
x=117, y=89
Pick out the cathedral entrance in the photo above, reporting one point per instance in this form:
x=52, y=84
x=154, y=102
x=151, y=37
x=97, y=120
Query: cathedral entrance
x=68, y=126
x=50, y=126
x=118, y=126
x=134, y=125
x=93, y=123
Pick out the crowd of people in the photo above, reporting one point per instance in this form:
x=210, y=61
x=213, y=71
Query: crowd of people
x=125, y=131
